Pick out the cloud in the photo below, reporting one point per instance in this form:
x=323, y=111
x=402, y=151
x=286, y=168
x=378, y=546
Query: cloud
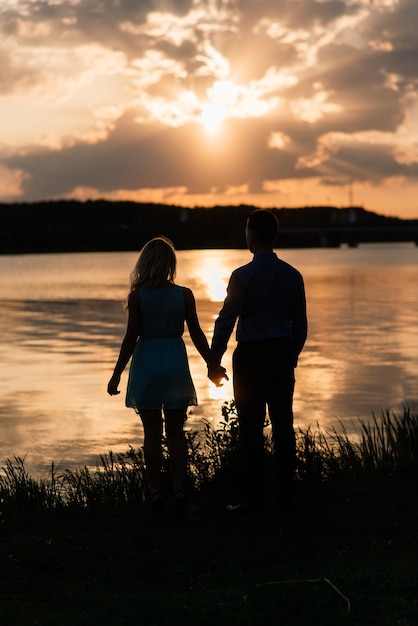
x=197, y=98
x=11, y=181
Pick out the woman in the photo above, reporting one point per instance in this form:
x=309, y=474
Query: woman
x=159, y=377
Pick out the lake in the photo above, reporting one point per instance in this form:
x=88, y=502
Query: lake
x=62, y=321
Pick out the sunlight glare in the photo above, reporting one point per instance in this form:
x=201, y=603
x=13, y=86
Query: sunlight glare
x=212, y=116
x=223, y=97
x=214, y=276
x=219, y=393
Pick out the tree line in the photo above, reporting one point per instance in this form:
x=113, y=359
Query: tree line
x=102, y=225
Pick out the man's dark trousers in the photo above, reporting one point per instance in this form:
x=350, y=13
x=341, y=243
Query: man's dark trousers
x=264, y=377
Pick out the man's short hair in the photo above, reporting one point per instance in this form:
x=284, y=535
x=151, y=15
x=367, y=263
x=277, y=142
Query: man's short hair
x=264, y=225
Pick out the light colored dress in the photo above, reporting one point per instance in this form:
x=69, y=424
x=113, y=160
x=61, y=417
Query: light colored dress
x=159, y=374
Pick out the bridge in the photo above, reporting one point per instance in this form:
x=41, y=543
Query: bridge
x=352, y=236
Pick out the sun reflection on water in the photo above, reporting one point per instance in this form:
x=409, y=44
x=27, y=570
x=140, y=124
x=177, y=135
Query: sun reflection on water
x=209, y=273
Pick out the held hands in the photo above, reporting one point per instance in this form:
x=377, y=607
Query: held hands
x=216, y=374
x=112, y=387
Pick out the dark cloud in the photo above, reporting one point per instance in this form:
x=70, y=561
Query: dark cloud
x=134, y=157
x=361, y=162
x=158, y=157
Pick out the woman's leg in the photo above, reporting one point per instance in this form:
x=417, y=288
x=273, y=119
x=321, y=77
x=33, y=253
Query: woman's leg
x=153, y=456
x=177, y=447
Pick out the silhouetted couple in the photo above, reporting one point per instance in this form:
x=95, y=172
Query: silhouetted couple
x=267, y=298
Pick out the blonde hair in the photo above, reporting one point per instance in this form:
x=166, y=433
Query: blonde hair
x=156, y=264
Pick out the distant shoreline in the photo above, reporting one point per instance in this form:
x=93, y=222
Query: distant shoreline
x=104, y=226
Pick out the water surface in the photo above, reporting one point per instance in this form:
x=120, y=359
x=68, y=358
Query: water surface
x=62, y=320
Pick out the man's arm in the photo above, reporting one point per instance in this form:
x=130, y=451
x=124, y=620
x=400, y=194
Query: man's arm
x=224, y=324
x=299, y=320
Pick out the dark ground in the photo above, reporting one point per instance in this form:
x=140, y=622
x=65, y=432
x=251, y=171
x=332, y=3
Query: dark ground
x=333, y=559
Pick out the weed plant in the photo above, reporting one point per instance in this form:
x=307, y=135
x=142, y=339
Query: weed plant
x=387, y=449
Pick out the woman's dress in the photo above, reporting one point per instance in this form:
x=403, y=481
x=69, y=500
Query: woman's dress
x=159, y=375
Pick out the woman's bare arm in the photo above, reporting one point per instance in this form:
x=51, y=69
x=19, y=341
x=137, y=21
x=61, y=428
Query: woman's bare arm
x=216, y=372
x=128, y=343
x=196, y=333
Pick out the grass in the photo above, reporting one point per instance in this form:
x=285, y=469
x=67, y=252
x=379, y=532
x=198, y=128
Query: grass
x=81, y=547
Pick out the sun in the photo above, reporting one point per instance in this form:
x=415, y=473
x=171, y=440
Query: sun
x=222, y=103
x=226, y=100
x=212, y=116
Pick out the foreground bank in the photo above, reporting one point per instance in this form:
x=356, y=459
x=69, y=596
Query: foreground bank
x=86, y=550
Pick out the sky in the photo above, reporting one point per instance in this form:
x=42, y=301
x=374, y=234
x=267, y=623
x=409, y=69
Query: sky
x=272, y=103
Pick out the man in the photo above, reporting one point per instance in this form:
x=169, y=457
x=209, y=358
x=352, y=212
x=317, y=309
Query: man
x=267, y=296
